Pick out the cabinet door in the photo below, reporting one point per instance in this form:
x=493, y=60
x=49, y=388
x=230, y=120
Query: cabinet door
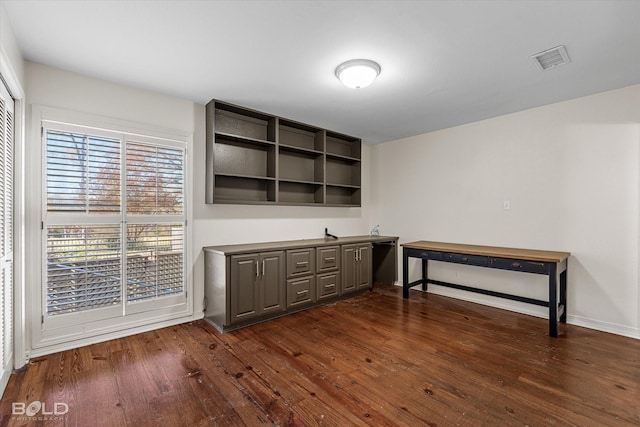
x=364, y=266
x=244, y=287
x=272, y=283
x=349, y=271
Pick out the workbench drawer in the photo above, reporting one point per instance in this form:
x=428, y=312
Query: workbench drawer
x=424, y=254
x=328, y=258
x=300, y=291
x=300, y=262
x=478, y=260
x=520, y=265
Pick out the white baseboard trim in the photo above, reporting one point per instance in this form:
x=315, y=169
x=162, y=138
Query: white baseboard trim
x=598, y=325
x=69, y=345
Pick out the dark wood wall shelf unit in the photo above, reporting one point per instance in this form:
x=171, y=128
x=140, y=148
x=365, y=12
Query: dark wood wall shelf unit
x=251, y=283
x=257, y=158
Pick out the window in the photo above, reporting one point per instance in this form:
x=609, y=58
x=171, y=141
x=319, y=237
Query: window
x=113, y=225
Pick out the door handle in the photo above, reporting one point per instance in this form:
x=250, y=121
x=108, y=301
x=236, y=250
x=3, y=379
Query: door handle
x=257, y=268
x=263, y=267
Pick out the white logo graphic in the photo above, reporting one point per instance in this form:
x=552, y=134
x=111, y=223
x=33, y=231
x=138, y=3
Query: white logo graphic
x=35, y=407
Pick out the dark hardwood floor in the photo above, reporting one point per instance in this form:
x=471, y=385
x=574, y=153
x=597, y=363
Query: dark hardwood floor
x=372, y=360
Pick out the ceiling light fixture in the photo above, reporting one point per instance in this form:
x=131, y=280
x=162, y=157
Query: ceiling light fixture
x=357, y=73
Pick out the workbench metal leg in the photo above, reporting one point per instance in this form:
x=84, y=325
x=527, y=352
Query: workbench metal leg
x=553, y=301
x=405, y=273
x=563, y=295
x=424, y=274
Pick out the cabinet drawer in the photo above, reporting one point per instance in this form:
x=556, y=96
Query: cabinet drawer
x=328, y=285
x=519, y=265
x=479, y=260
x=300, y=262
x=328, y=258
x=300, y=291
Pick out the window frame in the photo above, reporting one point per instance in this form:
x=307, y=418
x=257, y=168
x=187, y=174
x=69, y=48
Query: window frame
x=8, y=186
x=48, y=332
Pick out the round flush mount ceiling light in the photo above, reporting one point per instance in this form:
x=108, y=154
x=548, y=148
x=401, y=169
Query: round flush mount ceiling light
x=357, y=73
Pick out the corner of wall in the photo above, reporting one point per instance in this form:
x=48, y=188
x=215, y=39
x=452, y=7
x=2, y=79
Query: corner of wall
x=11, y=61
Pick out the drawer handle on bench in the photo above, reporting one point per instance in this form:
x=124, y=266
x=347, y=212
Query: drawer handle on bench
x=516, y=265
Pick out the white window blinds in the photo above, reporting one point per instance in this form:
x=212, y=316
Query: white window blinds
x=6, y=224
x=155, y=180
x=83, y=173
x=114, y=223
x=83, y=268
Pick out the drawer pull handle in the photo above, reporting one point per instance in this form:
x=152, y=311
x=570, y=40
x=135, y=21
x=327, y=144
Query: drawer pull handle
x=333, y=285
x=302, y=263
x=541, y=264
x=302, y=292
x=516, y=265
x=465, y=259
x=331, y=258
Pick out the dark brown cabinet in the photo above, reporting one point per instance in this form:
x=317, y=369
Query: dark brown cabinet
x=356, y=267
x=250, y=283
x=257, y=158
x=257, y=285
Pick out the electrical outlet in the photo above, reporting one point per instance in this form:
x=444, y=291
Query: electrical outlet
x=506, y=205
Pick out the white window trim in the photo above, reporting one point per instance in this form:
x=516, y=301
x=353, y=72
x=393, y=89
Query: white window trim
x=38, y=342
x=7, y=257
x=20, y=333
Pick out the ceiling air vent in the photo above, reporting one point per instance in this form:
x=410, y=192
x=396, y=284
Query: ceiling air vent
x=550, y=58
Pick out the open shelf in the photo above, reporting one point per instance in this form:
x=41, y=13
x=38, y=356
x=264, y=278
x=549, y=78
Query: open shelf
x=300, y=192
x=299, y=166
x=232, y=156
x=340, y=195
x=342, y=172
x=299, y=135
x=234, y=120
x=343, y=146
x=237, y=189
x=257, y=158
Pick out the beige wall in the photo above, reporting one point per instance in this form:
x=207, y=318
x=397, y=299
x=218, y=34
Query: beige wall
x=570, y=171
x=11, y=61
x=212, y=224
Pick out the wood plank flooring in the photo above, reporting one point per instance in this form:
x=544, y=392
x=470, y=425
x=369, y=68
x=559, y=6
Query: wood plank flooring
x=375, y=359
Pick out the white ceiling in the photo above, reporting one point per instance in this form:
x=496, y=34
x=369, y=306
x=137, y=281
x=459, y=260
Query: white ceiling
x=444, y=63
